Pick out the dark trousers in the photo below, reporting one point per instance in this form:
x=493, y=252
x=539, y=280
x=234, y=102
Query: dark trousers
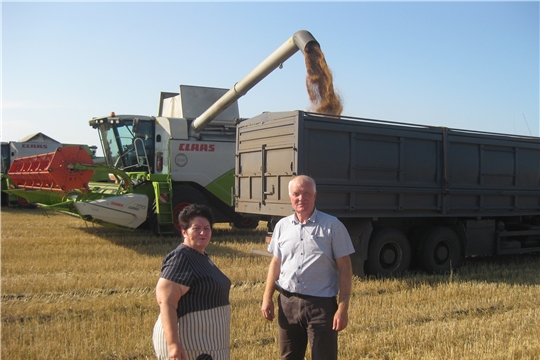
x=307, y=319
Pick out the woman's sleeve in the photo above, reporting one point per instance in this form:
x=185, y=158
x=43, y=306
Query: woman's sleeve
x=176, y=268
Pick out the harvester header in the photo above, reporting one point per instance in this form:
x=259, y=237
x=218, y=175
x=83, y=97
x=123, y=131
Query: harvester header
x=53, y=171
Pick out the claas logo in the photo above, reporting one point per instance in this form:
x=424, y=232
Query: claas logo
x=197, y=147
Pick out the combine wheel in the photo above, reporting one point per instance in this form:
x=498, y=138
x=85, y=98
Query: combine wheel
x=153, y=219
x=439, y=250
x=246, y=223
x=5, y=199
x=183, y=196
x=389, y=253
x=25, y=204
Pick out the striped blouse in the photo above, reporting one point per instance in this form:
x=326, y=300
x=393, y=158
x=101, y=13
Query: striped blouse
x=203, y=312
x=209, y=287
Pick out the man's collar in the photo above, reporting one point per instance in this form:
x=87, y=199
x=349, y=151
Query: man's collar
x=312, y=218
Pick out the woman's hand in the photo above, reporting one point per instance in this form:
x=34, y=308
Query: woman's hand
x=176, y=352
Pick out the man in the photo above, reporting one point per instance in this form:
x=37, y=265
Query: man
x=309, y=267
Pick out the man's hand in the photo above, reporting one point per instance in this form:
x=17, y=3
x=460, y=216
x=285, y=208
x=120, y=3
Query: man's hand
x=341, y=319
x=267, y=309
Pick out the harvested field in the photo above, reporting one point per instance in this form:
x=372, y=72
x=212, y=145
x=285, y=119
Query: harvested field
x=71, y=290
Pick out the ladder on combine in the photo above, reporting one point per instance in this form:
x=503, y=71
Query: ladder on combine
x=163, y=206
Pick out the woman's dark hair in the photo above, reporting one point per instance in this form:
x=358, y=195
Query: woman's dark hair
x=192, y=211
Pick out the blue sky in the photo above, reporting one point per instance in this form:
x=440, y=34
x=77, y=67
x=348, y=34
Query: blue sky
x=465, y=65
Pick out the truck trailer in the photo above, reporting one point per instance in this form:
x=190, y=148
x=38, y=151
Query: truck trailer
x=411, y=196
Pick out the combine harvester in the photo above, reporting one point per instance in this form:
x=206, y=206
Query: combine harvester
x=158, y=165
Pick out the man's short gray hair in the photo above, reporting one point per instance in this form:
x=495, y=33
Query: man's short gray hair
x=303, y=178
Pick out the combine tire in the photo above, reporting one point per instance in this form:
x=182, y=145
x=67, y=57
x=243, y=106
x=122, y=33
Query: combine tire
x=153, y=219
x=389, y=253
x=246, y=223
x=439, y=251
x=24, y=204
x=5, y=199
x=183, y=196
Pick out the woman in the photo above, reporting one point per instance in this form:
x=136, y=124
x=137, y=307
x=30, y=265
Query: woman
x=193, y=296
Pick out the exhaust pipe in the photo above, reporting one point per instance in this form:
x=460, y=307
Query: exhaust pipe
x=298, y=41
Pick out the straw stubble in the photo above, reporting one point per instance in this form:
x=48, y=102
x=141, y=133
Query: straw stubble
x=87, y=292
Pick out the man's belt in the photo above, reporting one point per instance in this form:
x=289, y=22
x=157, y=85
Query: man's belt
x=291, y=294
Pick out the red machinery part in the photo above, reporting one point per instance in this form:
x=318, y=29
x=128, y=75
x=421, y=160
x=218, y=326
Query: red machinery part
x=51, y=171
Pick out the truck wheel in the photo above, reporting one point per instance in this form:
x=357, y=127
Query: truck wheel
x=183, y=196
x=389, y=253
x=439, y=250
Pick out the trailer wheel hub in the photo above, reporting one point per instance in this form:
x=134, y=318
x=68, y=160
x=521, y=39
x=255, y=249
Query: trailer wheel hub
x=388, y=255
x=441, y=254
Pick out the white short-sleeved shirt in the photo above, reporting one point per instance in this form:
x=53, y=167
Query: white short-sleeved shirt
x=308, y=252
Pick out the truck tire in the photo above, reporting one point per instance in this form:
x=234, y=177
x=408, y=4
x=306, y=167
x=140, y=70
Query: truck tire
x=439, y=250
x=183, y=196
x=389, y=253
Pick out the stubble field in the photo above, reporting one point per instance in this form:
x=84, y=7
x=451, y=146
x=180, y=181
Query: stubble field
x=71, y=290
